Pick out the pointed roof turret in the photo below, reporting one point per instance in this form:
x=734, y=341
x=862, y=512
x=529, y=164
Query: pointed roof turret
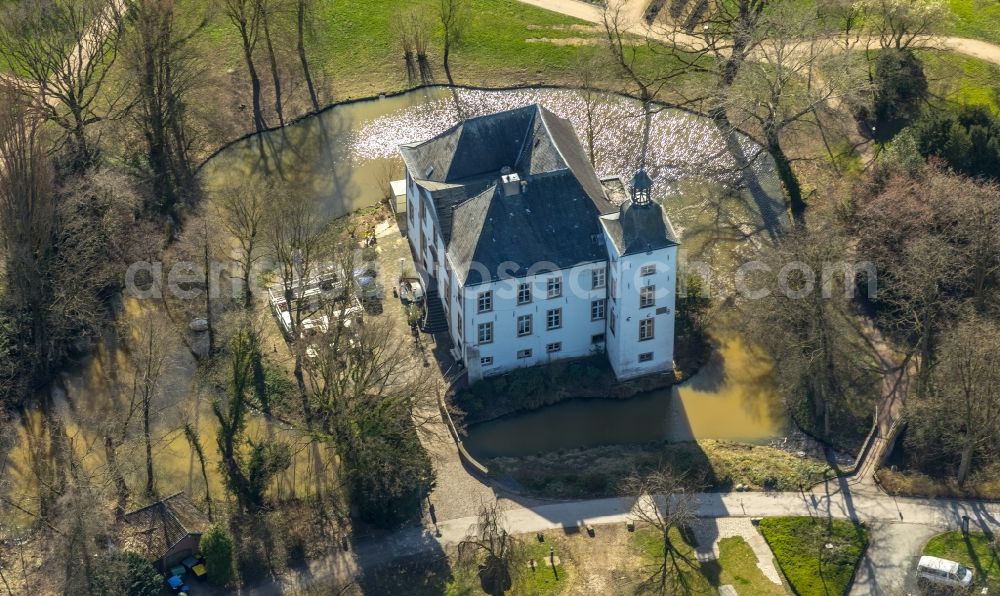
x=642, y=188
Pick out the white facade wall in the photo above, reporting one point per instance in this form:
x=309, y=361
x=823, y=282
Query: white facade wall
x=575, y=333
x=624, y=346
x=422, y=232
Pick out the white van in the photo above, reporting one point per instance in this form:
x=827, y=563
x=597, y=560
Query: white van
x=943, y=572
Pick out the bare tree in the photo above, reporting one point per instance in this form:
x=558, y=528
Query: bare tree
x=293, y=242
x=148, y=357
x=942, y=252
x=781, y=87
x=242, y=210
x=245, y=16
x=961, y=412
x=594, y=100
x=491, y=548
x=903, y=24
x=28, y=208
x=665, y=502
x=454, y=15
x=644, y=76
x=64, y=49
x=165, y=69
x=801, y=313
x=369, y=395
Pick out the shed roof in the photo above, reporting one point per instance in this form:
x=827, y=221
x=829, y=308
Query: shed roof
x=153, y=530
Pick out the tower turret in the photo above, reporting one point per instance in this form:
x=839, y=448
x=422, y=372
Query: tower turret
x=642, y=188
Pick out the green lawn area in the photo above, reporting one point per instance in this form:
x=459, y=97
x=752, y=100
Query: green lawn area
x=542, y=581
x=976, y=553
x=962, y=79
x=538, y=582
x=736, y=566
x=978, y=19
x=800, y=548
x=355, y=46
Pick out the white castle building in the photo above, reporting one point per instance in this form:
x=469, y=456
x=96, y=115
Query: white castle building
x=533, y=257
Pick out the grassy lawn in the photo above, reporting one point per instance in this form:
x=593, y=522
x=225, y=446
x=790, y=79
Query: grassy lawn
x=979, y=19
x=962, y=79
x=800, y=548
x=977, y=552
x=738, y=568
x=542, y=580
x=355, y=50
x=736, y=565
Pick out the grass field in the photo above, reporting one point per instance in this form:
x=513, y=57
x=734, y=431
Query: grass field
x=978, y=19
x=961, y=79
x=355, y=50
x=736, y=565
x=817, y=556
x=977, y=552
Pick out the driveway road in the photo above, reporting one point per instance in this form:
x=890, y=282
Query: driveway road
x=888, y=565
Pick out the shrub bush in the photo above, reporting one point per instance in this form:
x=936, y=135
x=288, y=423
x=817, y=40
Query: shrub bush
x=217, y=548
x=124, y=573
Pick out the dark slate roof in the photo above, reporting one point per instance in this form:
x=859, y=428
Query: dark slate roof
x=555, y=220
x=639, y=228
x=552, y=222
x=153, y=530
x=530, y=140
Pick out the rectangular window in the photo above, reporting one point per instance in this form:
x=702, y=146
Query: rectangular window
x=598, y=278
x=612, y=288
x=486, y=361
x=484, y=303
x=646, y=329
x=597, y=339
x=521, y=354
x=647, y=270
x=524, y=325
x=553, y=347
x=611, y=321
x=553, y=319
x=647, y=296
x=523, y=293
x=554, y=287
x=597, y=309
x=646, y=357
x=486, y=333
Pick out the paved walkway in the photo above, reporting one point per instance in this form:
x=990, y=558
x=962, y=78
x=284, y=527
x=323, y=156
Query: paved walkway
x=876, y=509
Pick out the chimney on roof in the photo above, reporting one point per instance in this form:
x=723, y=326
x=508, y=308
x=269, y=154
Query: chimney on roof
x=511, y=184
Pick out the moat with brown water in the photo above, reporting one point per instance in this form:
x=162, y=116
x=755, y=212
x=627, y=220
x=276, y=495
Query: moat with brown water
x=341, y=158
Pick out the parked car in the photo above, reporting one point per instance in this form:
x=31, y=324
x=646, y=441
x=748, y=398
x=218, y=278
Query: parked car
x=942, y=572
